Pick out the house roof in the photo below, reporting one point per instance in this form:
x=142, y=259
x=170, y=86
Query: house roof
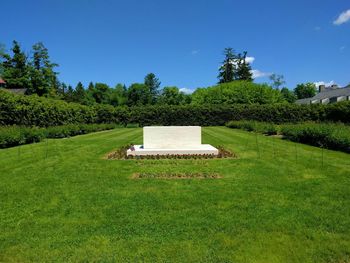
x=332, y=93
x=2, y=81
x=327, y=94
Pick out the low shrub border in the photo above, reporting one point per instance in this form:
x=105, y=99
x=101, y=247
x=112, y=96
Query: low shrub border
x=172, y=175
x=334, y=136
x=330, y=136
x=120, y=154
x=16, y=135
x=260, y=127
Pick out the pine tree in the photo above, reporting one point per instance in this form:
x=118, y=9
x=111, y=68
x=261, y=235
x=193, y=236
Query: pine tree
x=62, y=89
x=227, y=69
x=15, y=69
x=153, y=83
x=243, y=69
x=69, y=95
x=79, y=94
x=43, y=76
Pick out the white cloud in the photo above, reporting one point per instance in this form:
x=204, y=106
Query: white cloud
x=342, y=18
x=317, y=28
x=327, y=84
x=249, y=60
x=259, y=74
x=194, y=52
x=186, y=90
x=342, y=48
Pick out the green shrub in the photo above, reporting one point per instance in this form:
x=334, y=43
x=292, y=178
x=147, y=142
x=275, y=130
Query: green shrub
x=335, y=136
x=261, y=127
x=327, y=135
x=16, y=135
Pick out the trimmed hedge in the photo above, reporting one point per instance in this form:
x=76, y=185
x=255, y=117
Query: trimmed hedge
x=335, y=136
x=44, y=112
x=16, y=135
x=260, y=127
x=326, y=135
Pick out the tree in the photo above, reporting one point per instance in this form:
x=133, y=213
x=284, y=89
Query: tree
x=62, y=89
x=118, y=95
x=277, y=81
x=139, y=94
x=2, y=55
x=69, y=94
x=42, y=74
x=237, y=92
x=243, y=68
x=15, y=68
x=153, y=83
x=227, y=69
x=100, y=93
x=173, y=96
x=79, y=94
x=234, y=67
x=306, y=90
x=288, y=95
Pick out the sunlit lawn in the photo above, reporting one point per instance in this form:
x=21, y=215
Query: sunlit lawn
x=278, y=202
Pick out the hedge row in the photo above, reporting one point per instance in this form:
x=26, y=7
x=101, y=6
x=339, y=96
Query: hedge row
x=16, y=135
x=44, y=112
x=260, y=127
x=330, y=136
x=335, y=136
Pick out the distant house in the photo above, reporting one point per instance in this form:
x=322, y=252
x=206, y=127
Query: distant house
x=16, y=91
x=327, y=95
x=2, y=83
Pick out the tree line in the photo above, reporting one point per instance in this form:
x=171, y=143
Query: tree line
x=37, y=75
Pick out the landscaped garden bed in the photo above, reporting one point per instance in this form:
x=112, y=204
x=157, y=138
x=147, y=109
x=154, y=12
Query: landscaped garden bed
x=172, y=175
x=120, y=154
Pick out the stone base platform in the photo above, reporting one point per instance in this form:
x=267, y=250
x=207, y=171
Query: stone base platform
x=201, y=149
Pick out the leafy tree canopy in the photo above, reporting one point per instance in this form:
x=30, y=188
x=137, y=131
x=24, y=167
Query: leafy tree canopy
x=243, y=92
x=305, y=90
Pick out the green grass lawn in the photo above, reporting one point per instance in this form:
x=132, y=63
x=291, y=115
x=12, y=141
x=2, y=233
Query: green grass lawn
x=278, y=202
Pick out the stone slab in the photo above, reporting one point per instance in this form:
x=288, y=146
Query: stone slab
x=202, y=149
x=172, y=137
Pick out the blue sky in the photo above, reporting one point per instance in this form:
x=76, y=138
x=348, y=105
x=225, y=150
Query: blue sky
x=182, y=41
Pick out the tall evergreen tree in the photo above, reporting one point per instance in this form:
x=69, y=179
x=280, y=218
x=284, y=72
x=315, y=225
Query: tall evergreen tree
x=153, y=83
x=43, y=76
x=2, y=57
x=69, y=95
x=80, y=94
x=243, y=68
x=15, y=68
x=227, y=69
x=62, y=89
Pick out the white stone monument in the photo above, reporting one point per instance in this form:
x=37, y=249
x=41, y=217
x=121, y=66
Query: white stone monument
x=172, y=140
